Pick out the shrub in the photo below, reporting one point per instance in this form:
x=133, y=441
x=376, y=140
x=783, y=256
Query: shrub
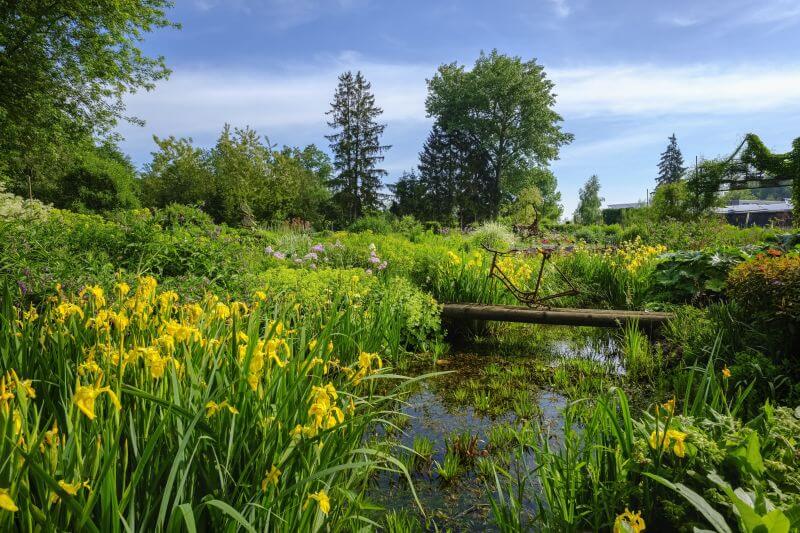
x=768, y=289
x=179, y=215
x=374, y=223
x=493, y=235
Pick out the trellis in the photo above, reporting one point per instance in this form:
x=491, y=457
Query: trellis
x=751, y=166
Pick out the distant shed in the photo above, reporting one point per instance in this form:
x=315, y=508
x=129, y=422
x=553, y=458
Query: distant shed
x=744, y=213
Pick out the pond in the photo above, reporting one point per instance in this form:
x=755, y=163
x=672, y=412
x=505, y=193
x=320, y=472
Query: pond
x=464, y=422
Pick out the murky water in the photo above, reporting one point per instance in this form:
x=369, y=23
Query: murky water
x=438, y=412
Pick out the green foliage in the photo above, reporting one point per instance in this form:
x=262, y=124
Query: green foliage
x=673, y=200
x=492, y=234
x=378, y=224
x=99, y=179
x=767, y=289
x=670, y=167
x=693, y=276
x=752, y=153
x=507, y=105
x=356, y=147
x=64, y=69
x=589, y=202
x=241, y=181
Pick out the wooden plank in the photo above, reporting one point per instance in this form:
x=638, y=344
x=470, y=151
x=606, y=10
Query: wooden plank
x=606, y=318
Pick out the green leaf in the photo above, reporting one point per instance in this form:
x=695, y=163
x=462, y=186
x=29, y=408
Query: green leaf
x=699, y=503
x=233, y=513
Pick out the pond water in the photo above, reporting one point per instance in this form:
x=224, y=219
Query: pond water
x=480, y=394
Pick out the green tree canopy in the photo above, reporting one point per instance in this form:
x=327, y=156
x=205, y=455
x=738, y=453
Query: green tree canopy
x=589, y=201
x=356, y=147
x=64, y=68
x=504, y=105
x=670, y=166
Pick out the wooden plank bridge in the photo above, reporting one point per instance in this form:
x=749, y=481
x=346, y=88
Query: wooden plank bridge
x=605, y=318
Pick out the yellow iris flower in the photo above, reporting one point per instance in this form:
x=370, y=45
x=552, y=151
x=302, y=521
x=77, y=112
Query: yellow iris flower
x=85, y=396
x=322, y=500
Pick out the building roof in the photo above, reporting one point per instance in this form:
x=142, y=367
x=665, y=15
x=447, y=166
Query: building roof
x=757, y=207
x=630, y=205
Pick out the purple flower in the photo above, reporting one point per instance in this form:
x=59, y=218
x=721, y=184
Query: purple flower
x=368, y=271
x=268, y=250
x=374, y=259
x=318, y=248
x=298, y=260
x=383, y=265
x=312, y=266
x=279, y=255
x=310, y=256
x=23, y=288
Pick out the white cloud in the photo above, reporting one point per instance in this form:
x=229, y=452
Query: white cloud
x=727, y=15
x=561, y=8
x=199, y=100
x=289, y=104
x=654, y=90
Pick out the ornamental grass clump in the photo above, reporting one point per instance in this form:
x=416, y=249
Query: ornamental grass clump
x=132, y=408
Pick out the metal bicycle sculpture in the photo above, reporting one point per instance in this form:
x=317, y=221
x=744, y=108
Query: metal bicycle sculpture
x=532, y=298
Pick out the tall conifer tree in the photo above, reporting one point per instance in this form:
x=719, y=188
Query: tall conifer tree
x=670, y=167
x=356, y=147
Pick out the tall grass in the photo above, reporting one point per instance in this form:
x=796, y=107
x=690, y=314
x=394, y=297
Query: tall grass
x=141, y=412
x=609, y=460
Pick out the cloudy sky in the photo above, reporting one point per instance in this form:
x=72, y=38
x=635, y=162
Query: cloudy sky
x=628, y=74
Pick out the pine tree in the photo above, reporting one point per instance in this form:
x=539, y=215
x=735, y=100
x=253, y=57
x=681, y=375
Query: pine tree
x=670, y=168
x=356, y=147
x=589, y=201
x=451, y=171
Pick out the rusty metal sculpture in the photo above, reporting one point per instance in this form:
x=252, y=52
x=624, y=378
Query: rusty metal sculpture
x=532, y=298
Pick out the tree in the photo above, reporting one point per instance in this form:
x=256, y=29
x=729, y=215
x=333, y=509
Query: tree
x=178, y=173
x=589, y=201
x=674, y=201
x=410, y=196
x=356, y=147
x=505, y=108
x=64, y=68
x=241, y=180
x=670, y=167
x=545, y=182
x=99, y=178
x=451, y=172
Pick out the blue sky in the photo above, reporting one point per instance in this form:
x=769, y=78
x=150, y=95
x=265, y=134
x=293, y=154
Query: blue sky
x=628, y=74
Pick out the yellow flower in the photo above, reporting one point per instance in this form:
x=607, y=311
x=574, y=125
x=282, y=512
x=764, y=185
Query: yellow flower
x=726, y=373
x=30, y=315
x=629, y=522
x=6, y=502
x=455, y=259
x=96, y=293
x=271, y=477
x=666, y=439
x=669, y=406
x=680, y=448
x=322, y=499
x=73, y=488
x=213, y=408
x=66, y=310
x=260, y=296
x=70, y=488
x=222, y=311
x=121, y=289
x=238, y=309
x=85, y=396
x=195, y=312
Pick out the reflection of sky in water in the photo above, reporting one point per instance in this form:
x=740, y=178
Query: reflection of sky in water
x=462, y=505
